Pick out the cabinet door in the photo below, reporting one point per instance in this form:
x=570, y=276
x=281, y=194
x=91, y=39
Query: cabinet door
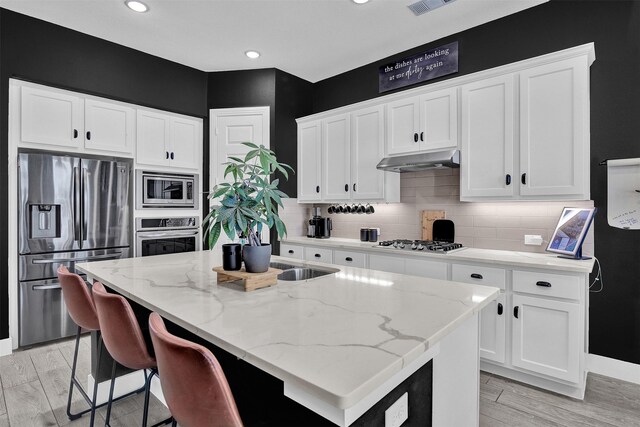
x=554, y=129
x=493, y=321
x=109, y=126
x=547, y=337
x=186, y=141
x=403, y=124
x=367, y=149
x=439, y=119
x=309, y=161
x=350, y=258
x=51, y=117
x=426, y=268
x=291, y=251
x=318, y=254
x=391, y=264
x=336, y=162
x=487, y=138
x=153, y=138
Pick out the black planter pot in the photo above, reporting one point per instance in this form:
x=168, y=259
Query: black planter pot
x=256, y=258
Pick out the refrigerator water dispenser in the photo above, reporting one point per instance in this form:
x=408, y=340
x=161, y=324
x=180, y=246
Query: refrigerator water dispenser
x=45, y=221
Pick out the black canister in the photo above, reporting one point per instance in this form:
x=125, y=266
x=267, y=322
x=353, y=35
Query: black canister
x=231, y=256
x=364, y=234
x=373, y=234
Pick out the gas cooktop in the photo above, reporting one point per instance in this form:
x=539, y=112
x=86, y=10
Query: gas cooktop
x=421, y=245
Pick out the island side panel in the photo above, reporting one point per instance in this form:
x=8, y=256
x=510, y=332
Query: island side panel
x=456, y=377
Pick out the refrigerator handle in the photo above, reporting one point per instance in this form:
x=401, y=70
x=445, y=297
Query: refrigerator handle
x=82, y=201
x=76, y=205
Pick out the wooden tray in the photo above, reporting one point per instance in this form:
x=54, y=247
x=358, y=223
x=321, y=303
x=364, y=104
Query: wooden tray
x=250, y=281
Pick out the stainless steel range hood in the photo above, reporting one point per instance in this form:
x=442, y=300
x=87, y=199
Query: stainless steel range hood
x=421, y=161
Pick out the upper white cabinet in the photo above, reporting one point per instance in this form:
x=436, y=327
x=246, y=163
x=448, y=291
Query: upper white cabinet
x=549, y=157
x=109, y=126
x=164, y=139
x=423, y=123
x=337, y=158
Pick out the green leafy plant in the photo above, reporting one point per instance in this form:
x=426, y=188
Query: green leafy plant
x=250, y=201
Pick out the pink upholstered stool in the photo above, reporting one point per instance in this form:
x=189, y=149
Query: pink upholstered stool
x=193, y=383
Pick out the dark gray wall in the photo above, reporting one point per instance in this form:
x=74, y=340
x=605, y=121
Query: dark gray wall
x=614, y=26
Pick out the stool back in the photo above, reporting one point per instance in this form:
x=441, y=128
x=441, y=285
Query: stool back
x=193, y=383
x=77, y=298
x=120, y=330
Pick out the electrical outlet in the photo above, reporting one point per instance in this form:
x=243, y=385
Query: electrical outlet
x=397, y=413
x=532, y=239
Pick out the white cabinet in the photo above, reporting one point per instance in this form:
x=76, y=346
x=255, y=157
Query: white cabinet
x=367, y=149
x=109, y=126
x=312, y=253
x=168, y=140
x=554, y=130
x=291, y=251
x=424, y=122
x=309, y=161
x=391, y=264
x=547, y=337
x=336, y=164
x=493, y=333
x=487, y=146
x=426, y=268
x=350, y=258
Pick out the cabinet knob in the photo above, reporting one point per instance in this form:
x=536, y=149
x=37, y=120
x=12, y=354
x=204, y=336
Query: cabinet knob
x=167, y=154
x=290, y=251
x=421, y=136
x=172, y=155
x=415, y=137
x=88, y=135
x=508, y=179
x=348, y=259
x=317, y=188
x=500, y=309
x=354, y=186
x=476, y=276
x=346, y=187
x=515, y=311
x=75, y=133
x=317, y=255
x=543, y=284
x=523, y=178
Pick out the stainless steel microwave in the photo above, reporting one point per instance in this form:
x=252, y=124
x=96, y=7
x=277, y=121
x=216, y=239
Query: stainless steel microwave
x=166, y=190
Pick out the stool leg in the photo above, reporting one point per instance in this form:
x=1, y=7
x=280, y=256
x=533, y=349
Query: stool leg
x=95, y=383
x=113, y=383
x=174, y=423
x=147, y=391
x=73, y=375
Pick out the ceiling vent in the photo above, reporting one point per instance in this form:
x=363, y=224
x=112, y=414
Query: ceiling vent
x=423, y=6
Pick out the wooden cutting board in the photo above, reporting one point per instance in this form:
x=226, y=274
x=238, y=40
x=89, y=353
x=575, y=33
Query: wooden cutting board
x=250, y=281
x=427, y=223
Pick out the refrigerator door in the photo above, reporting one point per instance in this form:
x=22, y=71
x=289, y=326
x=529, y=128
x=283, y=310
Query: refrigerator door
x=105, y=204
x=48, y=211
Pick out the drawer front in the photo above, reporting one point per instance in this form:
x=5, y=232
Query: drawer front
x=426, y=268
x=318, y=254
x=291, y=251
x=351, y=259
x=545, y=284
x=488, y=276
x=391, y=264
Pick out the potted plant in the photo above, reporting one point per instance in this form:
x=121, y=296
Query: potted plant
x=247, y=204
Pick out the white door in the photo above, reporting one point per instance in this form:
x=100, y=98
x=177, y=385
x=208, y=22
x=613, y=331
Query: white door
x=493, y=321
x=439, y=119
x=153, y=138
x=403, y=125
x=336, y=162
x=109, y=126
x=51, y=117
x=367, y=149
x=229, y=129
x=426, y=268
x=186, y=143
x=546, y=337
x=309, y=161
x=486, y=167
x=554, y=123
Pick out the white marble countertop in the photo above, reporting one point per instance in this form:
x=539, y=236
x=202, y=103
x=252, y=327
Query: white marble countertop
x=546, y=261
x=338, y=337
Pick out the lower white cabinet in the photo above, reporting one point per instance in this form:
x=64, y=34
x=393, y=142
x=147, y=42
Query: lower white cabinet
x=391, y=264
x=547, y=337
x=318, y=254
x=350, y=258
x=291, y=251
x=426, y=268
x=493, y=330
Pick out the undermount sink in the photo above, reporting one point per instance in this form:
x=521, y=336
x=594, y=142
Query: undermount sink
x=293, y=273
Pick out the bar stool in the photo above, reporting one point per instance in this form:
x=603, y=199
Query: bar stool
x=124, y=341
x=193, y=383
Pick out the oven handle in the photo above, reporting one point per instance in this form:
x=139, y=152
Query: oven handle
x=152, y=235
x=114, y=255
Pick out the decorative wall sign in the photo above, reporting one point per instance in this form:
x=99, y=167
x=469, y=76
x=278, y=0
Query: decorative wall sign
x=429, y=65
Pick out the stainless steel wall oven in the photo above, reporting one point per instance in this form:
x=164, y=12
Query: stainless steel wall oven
x=159, y=236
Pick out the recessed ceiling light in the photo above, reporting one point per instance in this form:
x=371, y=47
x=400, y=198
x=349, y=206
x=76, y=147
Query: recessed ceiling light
x=252, y=54
x=360, y=1
x=136, y=6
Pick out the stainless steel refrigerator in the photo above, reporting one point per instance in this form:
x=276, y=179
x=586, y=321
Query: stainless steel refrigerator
x=70, y=210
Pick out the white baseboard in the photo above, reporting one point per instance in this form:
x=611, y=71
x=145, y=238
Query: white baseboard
x=6, y=347
x=613, y=368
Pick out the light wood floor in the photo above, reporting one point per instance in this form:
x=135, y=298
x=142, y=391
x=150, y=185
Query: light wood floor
x=35, y=384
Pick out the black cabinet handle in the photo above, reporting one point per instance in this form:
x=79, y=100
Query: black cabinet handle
x=515, y=311
x=317, y=188
x=317, y=255
x=415, y=137
x=346, y=187
x=508, y=179
x=421, y=136
x=290, y=251
x=500, y=309
x=354, y=186
x=543, y=284
x=476, y=276
x=348, y=259
x=172, y=155
x=523, y=179
x=75, y=133
x=167, y=154
x=88, y=135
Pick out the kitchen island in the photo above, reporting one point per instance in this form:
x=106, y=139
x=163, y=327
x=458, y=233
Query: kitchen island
x=339, y=344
